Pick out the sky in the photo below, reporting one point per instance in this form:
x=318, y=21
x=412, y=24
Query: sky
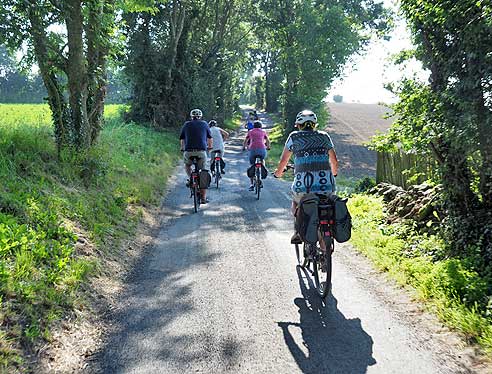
x=364, y=77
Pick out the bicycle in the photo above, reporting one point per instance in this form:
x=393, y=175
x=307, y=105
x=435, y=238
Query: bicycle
x=258, y=184
x=313, y=259
x=195, y=183
x=217, y=175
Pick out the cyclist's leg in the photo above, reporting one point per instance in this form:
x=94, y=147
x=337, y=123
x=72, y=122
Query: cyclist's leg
x=187, y=162
x=222, y=162
x=252, y=159
x=202, y=158
x=295, y=203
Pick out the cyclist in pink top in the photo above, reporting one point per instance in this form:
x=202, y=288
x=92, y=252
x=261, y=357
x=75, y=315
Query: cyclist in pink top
x=258, y=143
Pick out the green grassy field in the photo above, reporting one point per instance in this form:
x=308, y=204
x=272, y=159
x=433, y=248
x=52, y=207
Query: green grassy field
x=46, y=206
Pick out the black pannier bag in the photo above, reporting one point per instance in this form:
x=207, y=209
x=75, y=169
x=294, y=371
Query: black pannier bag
x=251, y=171
x=212, y=165
x=264, y=172
x=205, y=179
x=307, y=218
x=343, y=220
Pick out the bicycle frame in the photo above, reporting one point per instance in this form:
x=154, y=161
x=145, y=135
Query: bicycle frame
x=195, y=184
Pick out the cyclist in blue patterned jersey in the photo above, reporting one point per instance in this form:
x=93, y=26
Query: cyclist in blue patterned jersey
x=315, y=160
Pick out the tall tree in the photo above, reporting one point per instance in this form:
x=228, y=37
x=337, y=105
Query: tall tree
x=193, y=53
x=313, y=41
x=69, y=42
x=450, y=117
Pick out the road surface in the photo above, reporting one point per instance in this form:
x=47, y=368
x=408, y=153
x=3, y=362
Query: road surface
x=219, y=292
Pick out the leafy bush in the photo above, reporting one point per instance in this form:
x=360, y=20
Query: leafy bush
x=365, y=184
x=459, y=294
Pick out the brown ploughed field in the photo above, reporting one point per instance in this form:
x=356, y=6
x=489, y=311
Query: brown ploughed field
x=350, y=127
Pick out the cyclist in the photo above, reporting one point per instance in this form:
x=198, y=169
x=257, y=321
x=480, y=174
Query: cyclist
x=196, y=139
x=258, y=143
x=218, y=137
x=250, y=121
x=315, y=161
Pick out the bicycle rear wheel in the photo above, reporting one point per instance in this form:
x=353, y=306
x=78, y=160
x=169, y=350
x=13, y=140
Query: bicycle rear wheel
x=258, y=187
x=217, y=174
x=196, y=198
x=322, y=272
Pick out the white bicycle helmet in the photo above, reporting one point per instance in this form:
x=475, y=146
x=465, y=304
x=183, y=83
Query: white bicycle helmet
x=306, y=116
x=196, y=113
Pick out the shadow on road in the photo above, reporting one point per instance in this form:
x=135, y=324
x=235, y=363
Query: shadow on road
x=334, y=344
x=159, y=293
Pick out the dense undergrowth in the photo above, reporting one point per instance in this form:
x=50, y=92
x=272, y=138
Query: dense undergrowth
x=451, y=287
x=48, y=207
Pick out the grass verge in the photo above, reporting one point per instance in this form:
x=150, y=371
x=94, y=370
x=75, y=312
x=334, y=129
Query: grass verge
x=450, y=287
x=48, y=210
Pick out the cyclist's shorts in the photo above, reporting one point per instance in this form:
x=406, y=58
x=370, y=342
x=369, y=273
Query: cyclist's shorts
x=202, y=156
x=253, y=153
x=296, y=197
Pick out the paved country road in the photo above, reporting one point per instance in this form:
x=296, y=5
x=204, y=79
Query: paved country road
x=219, y=292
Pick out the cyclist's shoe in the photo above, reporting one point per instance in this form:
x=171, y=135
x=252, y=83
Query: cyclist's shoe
x=204, y=201
x=187, y=183
x=296, y=239
x=222, y=171
x=251, y=188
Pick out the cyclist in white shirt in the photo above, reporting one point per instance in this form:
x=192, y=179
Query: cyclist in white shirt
x=218, y=137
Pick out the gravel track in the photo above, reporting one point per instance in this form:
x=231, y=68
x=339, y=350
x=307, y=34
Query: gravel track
x=219, y=292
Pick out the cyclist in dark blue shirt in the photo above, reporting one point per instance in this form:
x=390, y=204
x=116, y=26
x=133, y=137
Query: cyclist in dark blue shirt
x=195, y=139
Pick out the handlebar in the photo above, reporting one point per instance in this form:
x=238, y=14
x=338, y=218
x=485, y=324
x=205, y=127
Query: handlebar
x=289, y=166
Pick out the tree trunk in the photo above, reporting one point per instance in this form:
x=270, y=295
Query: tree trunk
x=56, y=100
x=77, y=73
x=176, y=25
x=97, y=51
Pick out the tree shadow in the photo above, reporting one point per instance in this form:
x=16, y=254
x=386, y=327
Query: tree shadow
x=334, y=344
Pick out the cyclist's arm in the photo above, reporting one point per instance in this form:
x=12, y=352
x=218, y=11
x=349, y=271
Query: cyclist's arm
x=333, y=161
x=284, y=160
x=182, y=144
x=209, y=143
x=246, y=141
x=224, y=133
